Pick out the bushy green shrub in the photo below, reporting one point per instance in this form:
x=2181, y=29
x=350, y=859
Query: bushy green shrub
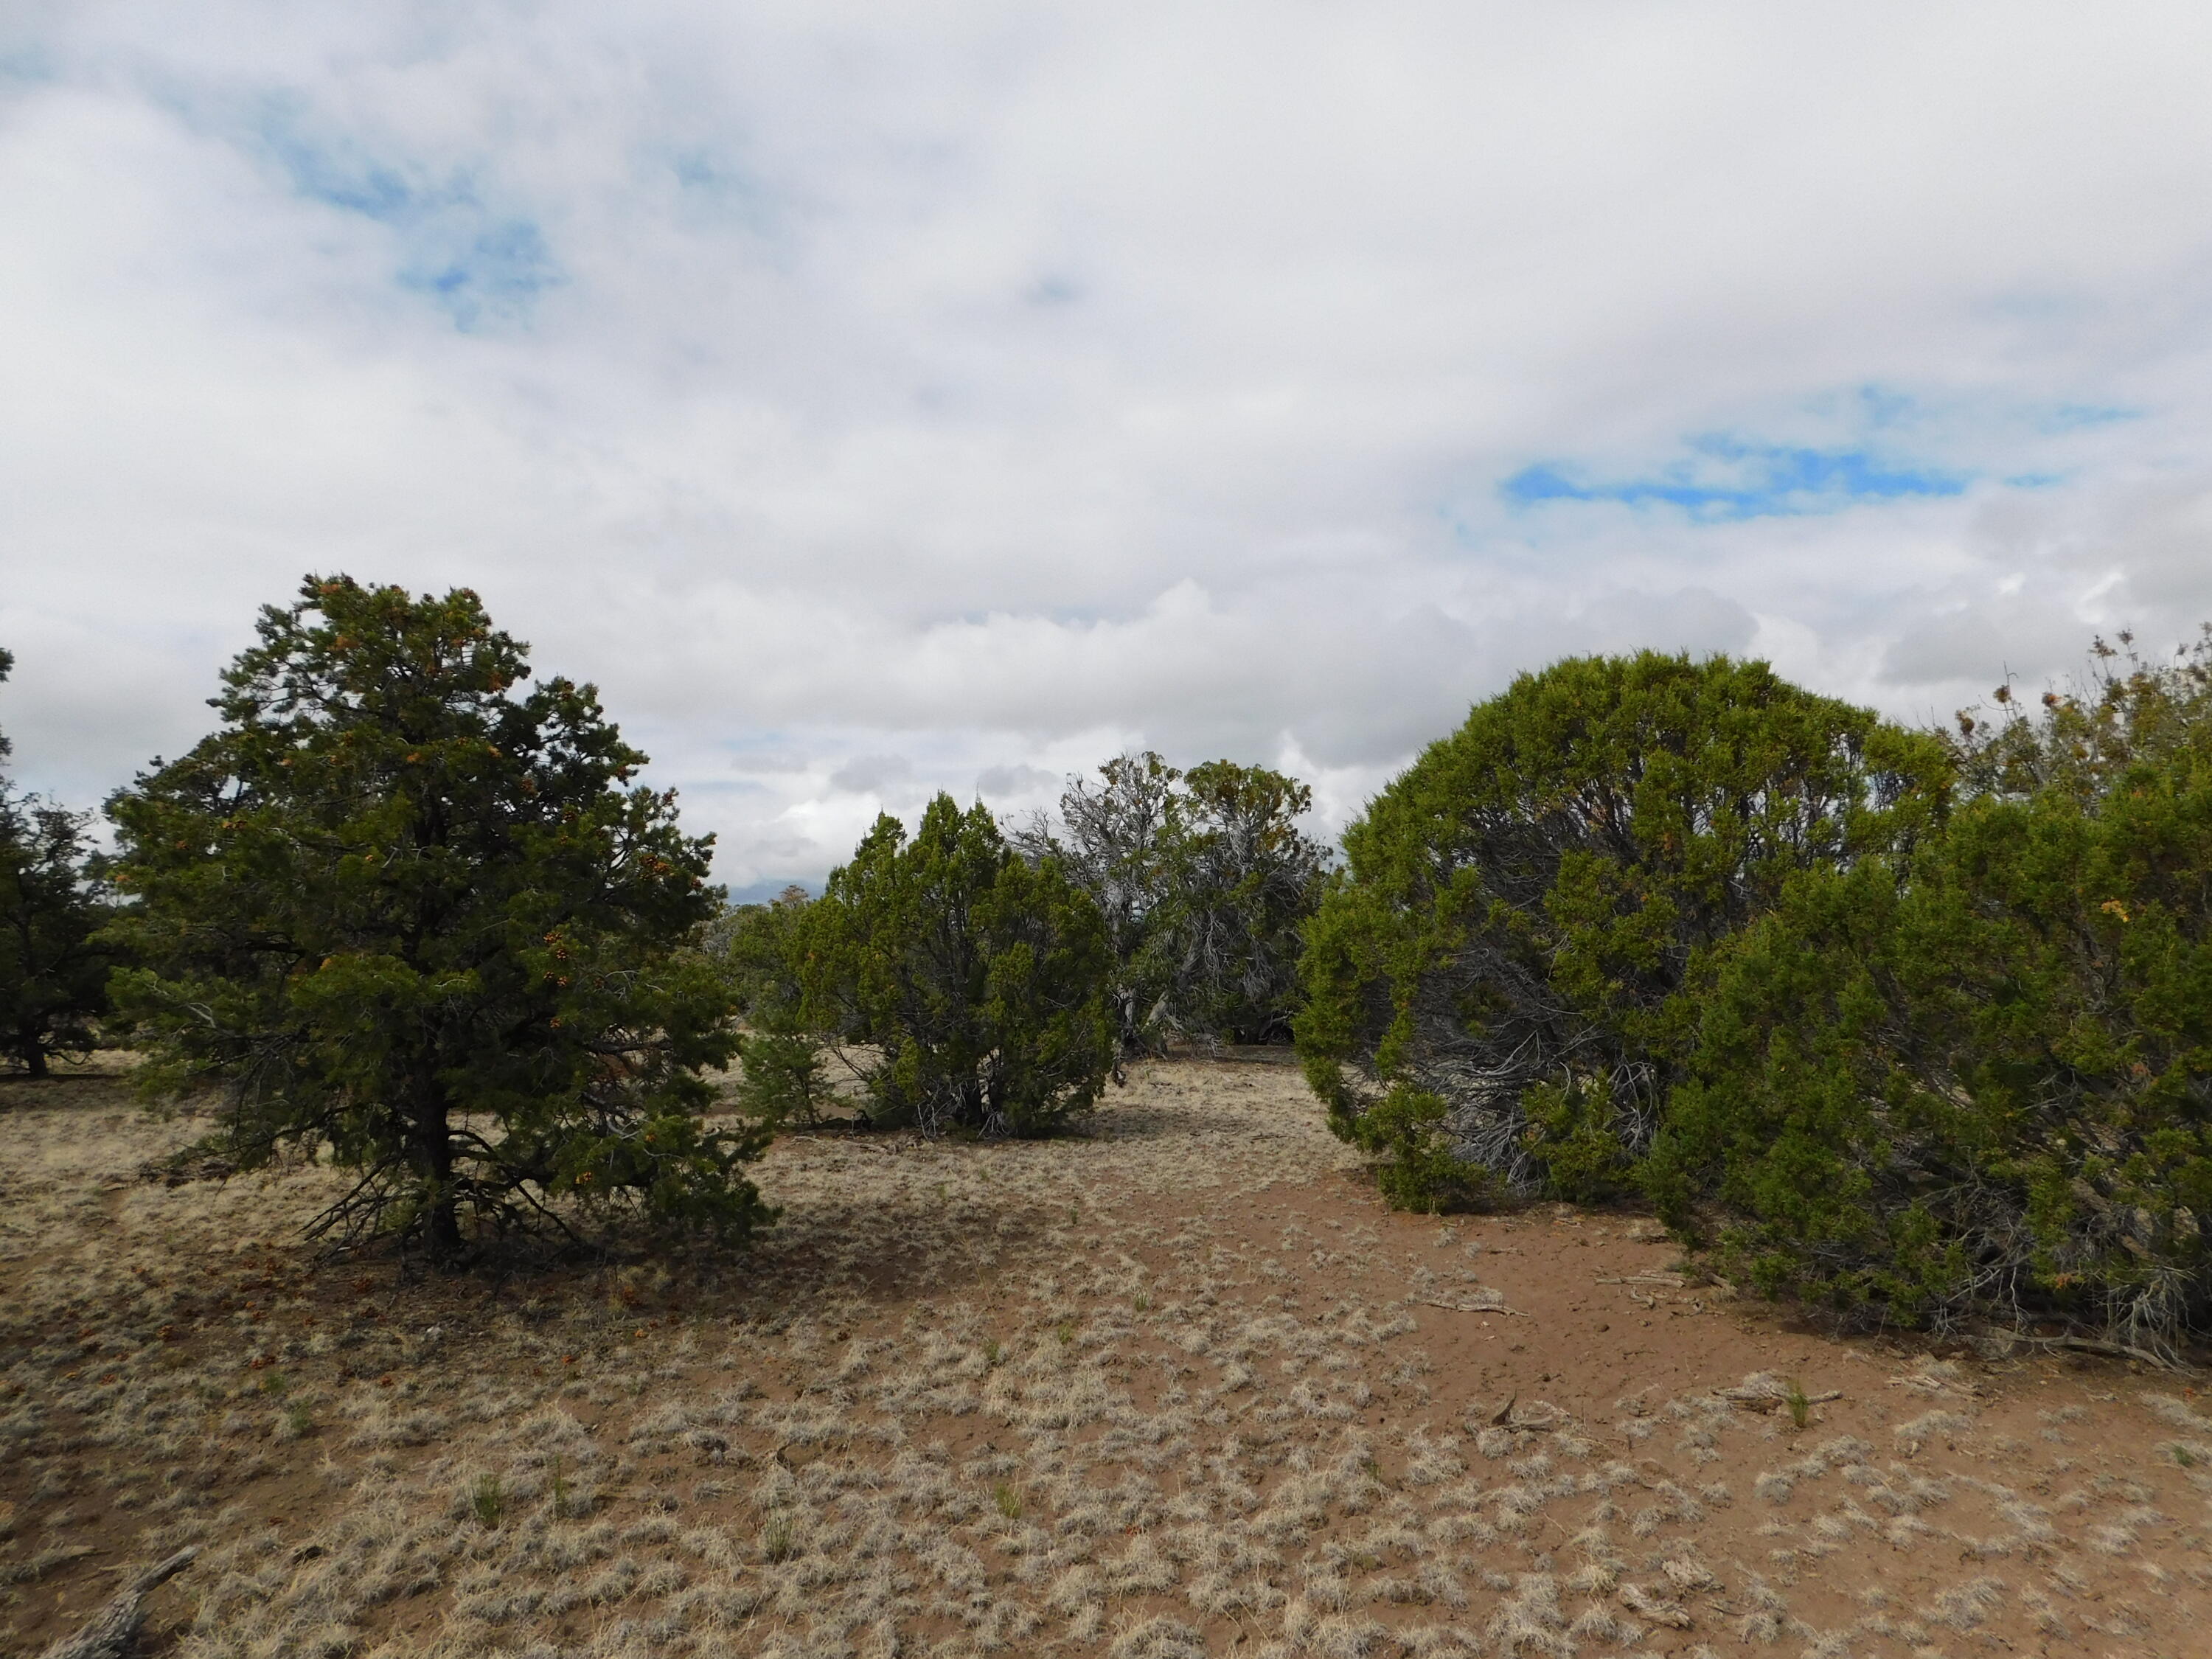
x=396, y=909
x=1532, y=909
x=968, y=986
x=1978, y=1079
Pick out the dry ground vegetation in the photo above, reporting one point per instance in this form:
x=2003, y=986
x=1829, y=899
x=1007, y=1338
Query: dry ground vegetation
x=1178, y=1387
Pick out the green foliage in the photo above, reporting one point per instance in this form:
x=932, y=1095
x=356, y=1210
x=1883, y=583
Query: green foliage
x=754, y=944
x=1204, y=879
x=1573, y=1133
x=53, y=965
x=776, y=1540
x=401, y=913
x=1532, y=910
x=785, y=1080
x=1799, y=1404
x=2082, y=738
x=1980, y=1079
x=1419, y=1166
x=968, y=985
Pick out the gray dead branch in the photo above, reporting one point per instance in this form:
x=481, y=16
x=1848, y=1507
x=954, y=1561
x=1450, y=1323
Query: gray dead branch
x=1767, y=1400
x=1486, y=1304
x=1538, y=1416
x=109, y=1635
x=2099, y=1345
x=1651, y=1604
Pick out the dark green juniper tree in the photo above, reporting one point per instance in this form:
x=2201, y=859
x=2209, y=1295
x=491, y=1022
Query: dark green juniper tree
x=396, y=907
x=968, y=986
x=53, y=964
x=1978, y=1079
x=1504, y=984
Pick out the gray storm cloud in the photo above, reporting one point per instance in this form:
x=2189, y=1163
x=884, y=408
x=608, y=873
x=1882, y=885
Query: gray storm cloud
x=872, y=400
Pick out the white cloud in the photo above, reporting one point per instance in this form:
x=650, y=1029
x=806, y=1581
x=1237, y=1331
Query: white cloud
x=874, y=401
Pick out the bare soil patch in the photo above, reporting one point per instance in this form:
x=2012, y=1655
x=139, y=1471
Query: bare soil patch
x=1180, y=1386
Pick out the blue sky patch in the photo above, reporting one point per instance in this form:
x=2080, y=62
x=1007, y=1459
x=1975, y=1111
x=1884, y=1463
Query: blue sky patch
x=476, y=262
x=503, y=268
x=2073, y=417
x=1726, y=478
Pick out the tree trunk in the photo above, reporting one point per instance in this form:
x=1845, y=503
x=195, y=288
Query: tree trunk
x=110, y=1635
x=433, y=1162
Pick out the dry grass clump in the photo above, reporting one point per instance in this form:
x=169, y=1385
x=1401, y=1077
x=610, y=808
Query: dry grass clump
x=1171, y=1391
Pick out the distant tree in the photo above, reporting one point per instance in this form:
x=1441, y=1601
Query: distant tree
x=1239, y=878
x=967, y=986
x=754, y=944
x=53, y=966
x=1110, y=842
x=1505, y=985
x=54, y=962
x=1204, y=879
x=785, y=1079
x=397, y=909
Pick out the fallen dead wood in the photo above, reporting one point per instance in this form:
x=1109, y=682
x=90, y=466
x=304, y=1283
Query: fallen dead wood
x=2103, y=1345
x=1669, y=1281
x=110, y=1634
x=1468, y=1307
x=1550, y=1418
x=1761, y=1400
x=1660, y=1609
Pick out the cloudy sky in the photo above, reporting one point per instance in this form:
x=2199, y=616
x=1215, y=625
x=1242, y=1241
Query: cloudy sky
x=875, y=398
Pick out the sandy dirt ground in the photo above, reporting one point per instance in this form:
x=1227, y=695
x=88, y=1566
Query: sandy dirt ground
x=1179, y=1387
